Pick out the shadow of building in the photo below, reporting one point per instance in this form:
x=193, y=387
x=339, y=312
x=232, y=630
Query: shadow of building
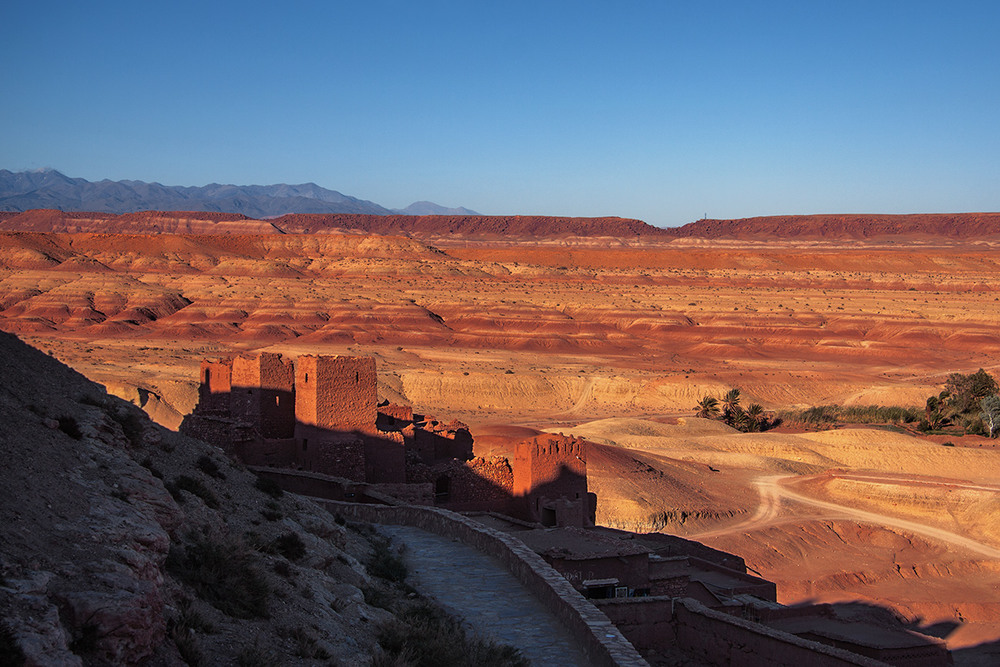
x=321, y=414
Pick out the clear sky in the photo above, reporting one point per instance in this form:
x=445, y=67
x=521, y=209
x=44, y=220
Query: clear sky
x=664, y=111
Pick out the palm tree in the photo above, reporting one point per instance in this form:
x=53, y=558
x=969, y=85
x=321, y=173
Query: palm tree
x=737, y=418
x=708, y=408
x=731, y=401
x=756, y=419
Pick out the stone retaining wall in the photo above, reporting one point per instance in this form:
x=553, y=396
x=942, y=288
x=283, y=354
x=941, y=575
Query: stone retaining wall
x=721, y=639
x=603, y=643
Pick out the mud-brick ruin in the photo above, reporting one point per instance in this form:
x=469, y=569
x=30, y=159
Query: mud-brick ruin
x=321, y=414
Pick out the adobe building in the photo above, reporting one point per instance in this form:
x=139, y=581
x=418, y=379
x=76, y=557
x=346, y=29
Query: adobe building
x=318, y=413
x=550, y=472
x=321, y=414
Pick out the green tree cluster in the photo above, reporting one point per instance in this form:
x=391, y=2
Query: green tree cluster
x=749, y=420
x=970, y=402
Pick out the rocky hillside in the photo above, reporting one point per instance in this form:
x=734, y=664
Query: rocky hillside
x=125, y=543
x=47, y=188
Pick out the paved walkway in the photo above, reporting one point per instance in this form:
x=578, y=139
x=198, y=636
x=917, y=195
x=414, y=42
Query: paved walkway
x=480, y=590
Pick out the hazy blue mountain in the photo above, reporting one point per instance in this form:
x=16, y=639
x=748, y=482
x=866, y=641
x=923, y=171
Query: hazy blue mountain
x=47, y=188
x=430, y=208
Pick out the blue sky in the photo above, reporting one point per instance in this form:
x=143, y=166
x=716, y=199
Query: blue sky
x=663, y=111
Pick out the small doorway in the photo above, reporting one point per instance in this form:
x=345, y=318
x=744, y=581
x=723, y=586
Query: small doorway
x=442, y=490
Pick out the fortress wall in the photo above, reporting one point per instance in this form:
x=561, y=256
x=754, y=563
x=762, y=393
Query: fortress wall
x=385, y=458
x=403, y=413
x=602, y=642
x=726, y=639
x=305, y=390
x=216, y=383
x=555, y=461
x=337, y=393
x=646, y=622
x=263, y=393
x=312, y=484
x=664, y=623
x=480, y=485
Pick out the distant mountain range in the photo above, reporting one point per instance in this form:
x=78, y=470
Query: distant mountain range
x=50, y=189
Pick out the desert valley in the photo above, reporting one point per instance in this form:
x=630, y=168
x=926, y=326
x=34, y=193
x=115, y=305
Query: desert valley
x=608, y=330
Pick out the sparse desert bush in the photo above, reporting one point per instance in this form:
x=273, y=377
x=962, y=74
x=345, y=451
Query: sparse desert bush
x=132, y=422
x=385, y=563
x=69, y=426
x=210, y=467
x=188, y=618
x=424, y=634
x=10, y=651
x=272, y=512
x=222, y=573
x=269, y=486
x=289, y=545
x=254, y=656
x=194, y=486
x=306, y=644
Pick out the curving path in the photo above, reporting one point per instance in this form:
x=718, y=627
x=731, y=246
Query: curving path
x=480, y=590
x=772, y=493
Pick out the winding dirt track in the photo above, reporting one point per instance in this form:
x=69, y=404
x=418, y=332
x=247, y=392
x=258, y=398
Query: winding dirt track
x=773, y=495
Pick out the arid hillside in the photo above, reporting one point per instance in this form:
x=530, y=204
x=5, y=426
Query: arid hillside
x=125, y=543
x=898, y=521
x=612, y=338
x=489, y=330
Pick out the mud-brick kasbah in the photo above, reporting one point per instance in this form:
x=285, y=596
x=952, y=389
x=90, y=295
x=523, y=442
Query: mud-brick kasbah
x=321, y=414
x=316, y=427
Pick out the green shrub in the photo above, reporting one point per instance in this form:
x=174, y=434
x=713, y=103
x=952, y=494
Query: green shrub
x=855, y=414
x=222, y=573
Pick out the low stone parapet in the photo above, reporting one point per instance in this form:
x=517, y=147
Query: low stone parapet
x=603, y=643
x=718, y=638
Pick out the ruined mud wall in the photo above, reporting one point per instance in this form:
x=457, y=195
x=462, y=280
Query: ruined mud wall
x=385, y=458
x=604, y=645
x=667, y=623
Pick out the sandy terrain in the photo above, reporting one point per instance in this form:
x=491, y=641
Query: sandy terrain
x=488, y=331
x=598, y=337
x=833, y=516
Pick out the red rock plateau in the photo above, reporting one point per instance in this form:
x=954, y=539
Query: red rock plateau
x=608, y=329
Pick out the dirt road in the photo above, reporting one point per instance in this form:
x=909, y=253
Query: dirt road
x=777, y=505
